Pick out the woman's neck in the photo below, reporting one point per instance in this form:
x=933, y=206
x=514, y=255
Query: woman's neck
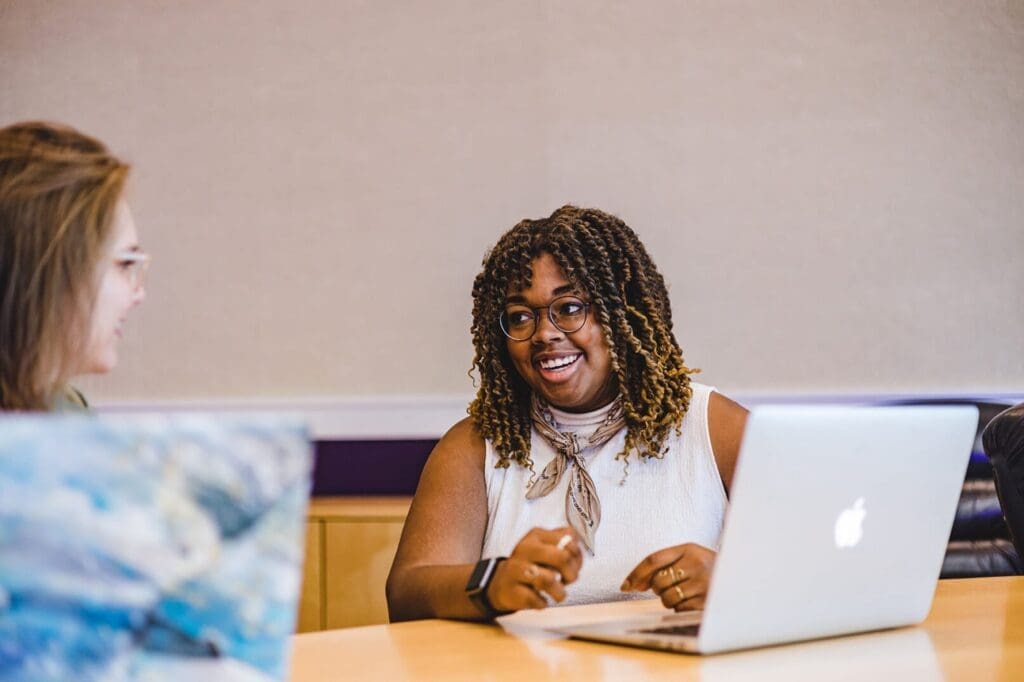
x=577, y=420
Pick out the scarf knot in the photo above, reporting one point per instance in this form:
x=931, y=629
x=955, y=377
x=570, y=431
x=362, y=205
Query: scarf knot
x=582, y=506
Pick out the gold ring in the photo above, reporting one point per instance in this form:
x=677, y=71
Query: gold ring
x=663, y=572
x=680, y=594
x=679, y=575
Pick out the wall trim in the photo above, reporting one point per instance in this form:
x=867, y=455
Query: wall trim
x=387, y=417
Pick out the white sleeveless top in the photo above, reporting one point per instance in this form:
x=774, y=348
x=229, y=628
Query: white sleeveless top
x=662, y=502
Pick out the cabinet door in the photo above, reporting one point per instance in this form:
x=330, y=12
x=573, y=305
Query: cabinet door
x=311, y=602
x=357, y=557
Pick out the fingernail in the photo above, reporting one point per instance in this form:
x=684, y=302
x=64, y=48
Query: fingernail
x=626, y=586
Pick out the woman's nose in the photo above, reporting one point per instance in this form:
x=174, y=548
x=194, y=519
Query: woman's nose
x=546, y=329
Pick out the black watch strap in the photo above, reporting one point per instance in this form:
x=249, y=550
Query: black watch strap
x=479, y=581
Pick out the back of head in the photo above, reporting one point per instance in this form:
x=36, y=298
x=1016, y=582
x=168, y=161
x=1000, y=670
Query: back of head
x=606, y=260
x=58, y=192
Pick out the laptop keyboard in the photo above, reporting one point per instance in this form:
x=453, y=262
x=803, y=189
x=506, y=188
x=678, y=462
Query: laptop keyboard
x=677, y=630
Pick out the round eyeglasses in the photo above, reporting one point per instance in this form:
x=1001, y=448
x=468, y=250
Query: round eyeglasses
x=567, y=313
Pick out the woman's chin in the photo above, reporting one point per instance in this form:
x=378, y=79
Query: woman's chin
x=100, y=365
x=572, y=401
x=566, y=401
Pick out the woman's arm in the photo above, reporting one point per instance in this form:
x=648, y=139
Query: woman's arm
x=443, y=537
x=443, y=533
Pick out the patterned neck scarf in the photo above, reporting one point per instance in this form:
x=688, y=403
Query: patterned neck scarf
x=582, y=508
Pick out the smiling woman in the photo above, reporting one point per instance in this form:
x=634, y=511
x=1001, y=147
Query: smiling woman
x=587, y=445
x=70, y=264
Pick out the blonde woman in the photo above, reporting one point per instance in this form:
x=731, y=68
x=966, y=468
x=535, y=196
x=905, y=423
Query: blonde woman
x=70, y=263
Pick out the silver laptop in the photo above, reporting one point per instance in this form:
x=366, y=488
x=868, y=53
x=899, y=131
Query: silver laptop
x=838, y=523
x=150, y=547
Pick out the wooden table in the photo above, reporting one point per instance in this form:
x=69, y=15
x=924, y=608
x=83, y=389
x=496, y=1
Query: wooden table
x=975, y=632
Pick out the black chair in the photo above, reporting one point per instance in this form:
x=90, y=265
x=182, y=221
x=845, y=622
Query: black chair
x=979, y=544
x=1003, y=440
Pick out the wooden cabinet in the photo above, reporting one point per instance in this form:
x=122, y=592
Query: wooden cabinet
x=310, y=598
x=350, y=544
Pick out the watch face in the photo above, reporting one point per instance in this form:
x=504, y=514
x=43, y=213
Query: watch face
x=476, y=589
x=481, y=574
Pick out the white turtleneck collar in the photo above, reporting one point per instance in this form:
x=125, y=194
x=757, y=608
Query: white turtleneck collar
x=579, y=421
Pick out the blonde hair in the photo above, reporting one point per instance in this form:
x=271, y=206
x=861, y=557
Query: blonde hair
x=59, y=190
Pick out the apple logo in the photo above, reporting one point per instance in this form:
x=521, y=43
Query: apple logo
x=849, y=525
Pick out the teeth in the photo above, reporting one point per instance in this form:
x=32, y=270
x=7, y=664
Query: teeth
x=558, y=362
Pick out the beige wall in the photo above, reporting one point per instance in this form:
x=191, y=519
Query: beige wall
x=834, y=190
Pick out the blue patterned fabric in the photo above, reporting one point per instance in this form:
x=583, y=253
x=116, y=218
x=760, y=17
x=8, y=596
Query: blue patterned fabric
x=156, y=547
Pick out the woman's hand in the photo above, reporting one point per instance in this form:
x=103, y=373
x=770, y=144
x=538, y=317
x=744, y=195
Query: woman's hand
x=541, y=565
x=679, y=575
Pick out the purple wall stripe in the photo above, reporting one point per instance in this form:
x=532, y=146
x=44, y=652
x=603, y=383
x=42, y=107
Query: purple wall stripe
x=369, y=467
x=393, y=467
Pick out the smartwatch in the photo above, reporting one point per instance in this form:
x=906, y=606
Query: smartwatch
x=476, y=588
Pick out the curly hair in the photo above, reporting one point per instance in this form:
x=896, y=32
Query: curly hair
x=604, y=258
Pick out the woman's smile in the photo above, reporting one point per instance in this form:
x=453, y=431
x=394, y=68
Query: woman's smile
x=557, y=367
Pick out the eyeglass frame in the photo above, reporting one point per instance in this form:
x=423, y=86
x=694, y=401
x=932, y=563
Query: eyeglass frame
x=536, y=318
x=139, y=260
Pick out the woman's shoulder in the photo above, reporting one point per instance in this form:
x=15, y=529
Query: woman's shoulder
x=718, y=408
x=698, y=387
x=462, y=440
x=70, y=400
x=464, y=432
